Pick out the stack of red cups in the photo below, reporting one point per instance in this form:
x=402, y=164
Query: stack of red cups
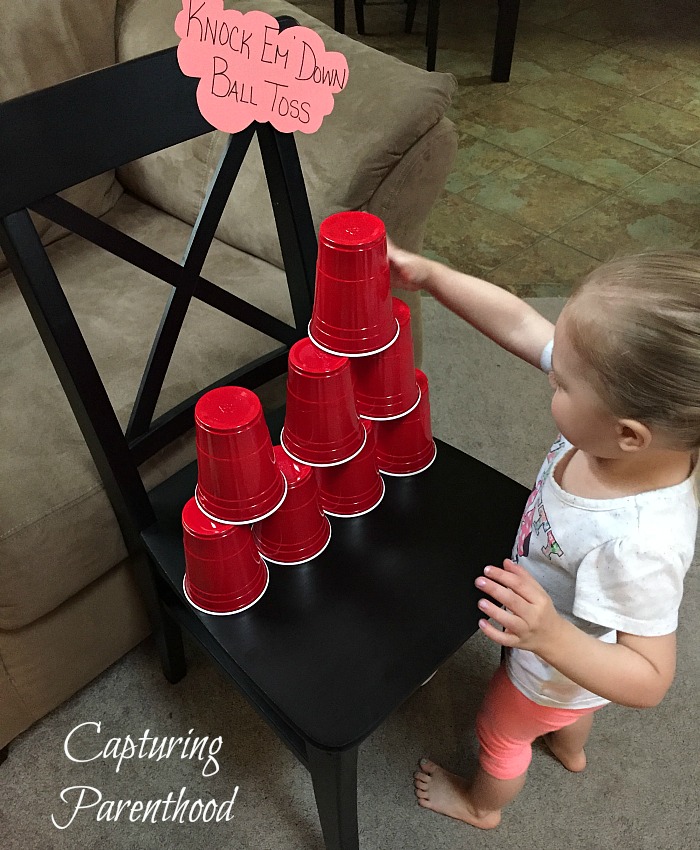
x=355, y=375
x=322, y=429
x=356, y=406
x=238, y=482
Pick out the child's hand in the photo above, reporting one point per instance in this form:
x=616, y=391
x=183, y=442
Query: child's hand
x=529, y=618
x=408, y=271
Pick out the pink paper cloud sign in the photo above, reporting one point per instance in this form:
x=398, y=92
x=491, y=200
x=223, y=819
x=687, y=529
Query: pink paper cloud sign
x=250, y=71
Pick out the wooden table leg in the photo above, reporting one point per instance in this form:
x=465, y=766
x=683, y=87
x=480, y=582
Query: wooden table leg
x=334, y=777
x=505, y=40
x=431, y=35
x=410, y=15
x=339, y=15
x=360, y=16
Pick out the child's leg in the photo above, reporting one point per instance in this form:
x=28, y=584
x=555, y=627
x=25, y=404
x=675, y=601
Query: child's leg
x=568, y=742
x=478, y=802
x=506, y=726
x=504, y=757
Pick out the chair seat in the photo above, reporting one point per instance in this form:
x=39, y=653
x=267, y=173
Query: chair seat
x=337, y=644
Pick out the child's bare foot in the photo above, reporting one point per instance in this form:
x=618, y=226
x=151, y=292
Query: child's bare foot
x=444, y=792
x=573, y=761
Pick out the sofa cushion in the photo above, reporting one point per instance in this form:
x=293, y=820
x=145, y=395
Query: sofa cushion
x=343, y=163
x=56, y=518
x=47, y=660
x=42, y=44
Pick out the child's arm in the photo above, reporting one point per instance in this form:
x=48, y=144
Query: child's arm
x=500, y=315
x=636, y=671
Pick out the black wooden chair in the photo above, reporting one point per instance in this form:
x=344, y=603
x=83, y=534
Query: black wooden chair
x=333, y=646
x=504, y=43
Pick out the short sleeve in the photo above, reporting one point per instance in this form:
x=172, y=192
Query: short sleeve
x=546, y=357
x=630, y=587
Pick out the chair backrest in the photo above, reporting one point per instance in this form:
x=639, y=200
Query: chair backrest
x=57, y=137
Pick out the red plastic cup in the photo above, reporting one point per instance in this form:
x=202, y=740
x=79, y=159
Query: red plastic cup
x=352, y=313
x=321, y=425
x=355, y=487
x=224, y=573
x=238, y=480
x=299, y=530
x=385, y=384
x=405, y=446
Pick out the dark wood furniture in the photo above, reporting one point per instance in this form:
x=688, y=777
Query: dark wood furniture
x=504, y=43
x=334, y=646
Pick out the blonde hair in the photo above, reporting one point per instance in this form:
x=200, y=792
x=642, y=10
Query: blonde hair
x=635, y=321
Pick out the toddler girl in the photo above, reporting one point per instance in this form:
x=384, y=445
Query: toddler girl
x=587, y=607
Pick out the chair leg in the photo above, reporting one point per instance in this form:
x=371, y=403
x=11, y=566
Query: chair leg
x=506, y=27
x=166, y=631
x=410, y=15
x=334, y=777
x=170, y=648
x=360, y=16
x=3, y=753
x=432, y=33
x=339, y=15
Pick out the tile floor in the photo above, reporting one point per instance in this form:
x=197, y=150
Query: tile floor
x=592, y=148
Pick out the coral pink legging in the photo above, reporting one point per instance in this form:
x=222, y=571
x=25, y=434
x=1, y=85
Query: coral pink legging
x=508, y=722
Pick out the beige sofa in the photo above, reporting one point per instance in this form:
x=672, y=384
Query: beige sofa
x=68, y=601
